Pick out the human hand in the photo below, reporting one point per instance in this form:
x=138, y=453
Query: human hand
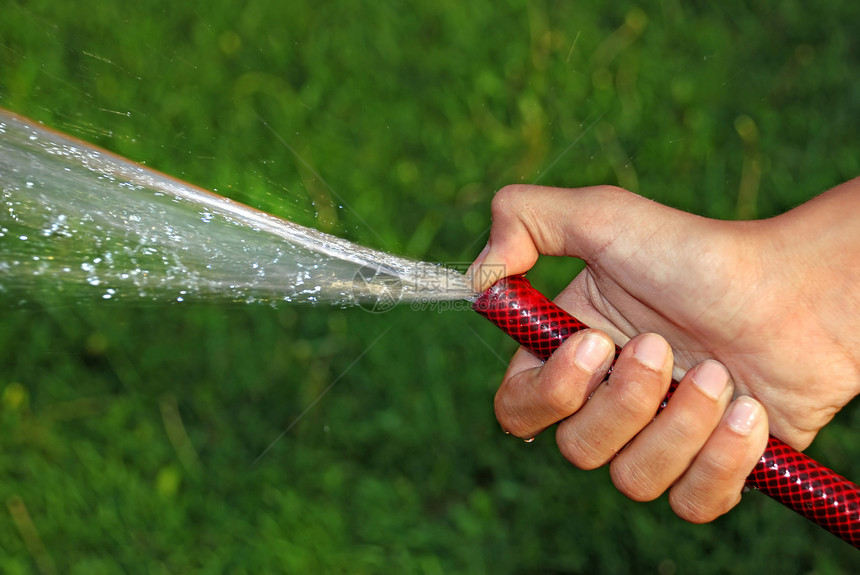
x=651, y=268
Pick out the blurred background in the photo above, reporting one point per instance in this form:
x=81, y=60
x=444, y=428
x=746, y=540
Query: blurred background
x=245, y=438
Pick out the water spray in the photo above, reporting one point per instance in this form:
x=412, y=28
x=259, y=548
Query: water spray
x=83, y=224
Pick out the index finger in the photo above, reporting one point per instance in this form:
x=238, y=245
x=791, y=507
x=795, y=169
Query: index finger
x=536, y=395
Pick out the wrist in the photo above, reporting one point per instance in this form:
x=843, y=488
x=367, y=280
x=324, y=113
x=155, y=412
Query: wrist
x=817, y=247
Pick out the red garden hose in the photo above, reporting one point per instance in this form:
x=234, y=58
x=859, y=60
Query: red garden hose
x=790, y=477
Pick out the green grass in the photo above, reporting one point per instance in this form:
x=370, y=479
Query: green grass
x=128, y=435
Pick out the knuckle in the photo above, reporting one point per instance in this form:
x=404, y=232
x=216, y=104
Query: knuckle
x=634, y=481
x=689, y=510
x=505, y=199
x=515, y=426
x=688, y=425
x=721, y=466
x=637, y=399
x=578, y=450
x=694, y=510
x=559, y=397
x=610, y=189
x=508, y=418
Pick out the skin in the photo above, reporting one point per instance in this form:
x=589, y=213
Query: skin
x=758, y=320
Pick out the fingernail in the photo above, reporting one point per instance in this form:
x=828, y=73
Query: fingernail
x=742, y=415
x=651, y=350
x=592, y=351
x=711, y=377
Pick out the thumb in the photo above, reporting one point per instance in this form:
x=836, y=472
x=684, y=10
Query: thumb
x=603, y=225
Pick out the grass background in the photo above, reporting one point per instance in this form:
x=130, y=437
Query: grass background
x=128, y=434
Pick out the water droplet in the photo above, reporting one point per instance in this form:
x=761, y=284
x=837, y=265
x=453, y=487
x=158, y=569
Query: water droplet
x=529, y=440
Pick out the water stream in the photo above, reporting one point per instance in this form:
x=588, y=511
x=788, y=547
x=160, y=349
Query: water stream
x=79, y=224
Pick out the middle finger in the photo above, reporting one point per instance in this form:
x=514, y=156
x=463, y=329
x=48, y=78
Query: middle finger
x=620, y=407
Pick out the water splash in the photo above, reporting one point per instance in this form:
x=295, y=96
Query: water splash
x=81, y=224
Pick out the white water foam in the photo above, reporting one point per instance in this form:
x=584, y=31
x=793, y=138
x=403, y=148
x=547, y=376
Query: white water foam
x=80, y=224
